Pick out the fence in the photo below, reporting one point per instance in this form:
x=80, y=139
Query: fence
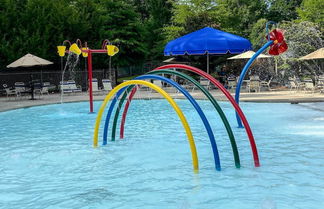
x=80, y=76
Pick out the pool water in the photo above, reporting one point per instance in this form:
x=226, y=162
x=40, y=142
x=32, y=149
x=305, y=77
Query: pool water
x=47, y=159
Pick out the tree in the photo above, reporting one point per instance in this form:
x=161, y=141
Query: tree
x=312, y=10
x=122, y=27
x=280, y=10
x=191, y=15
x=238, y=16
x=258, y=34
x=302, y=39
x=234, y=16
x=159, y=12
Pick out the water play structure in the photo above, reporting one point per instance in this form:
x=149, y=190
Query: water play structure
x=77, y=48
x=127, y=90
x=277, y=45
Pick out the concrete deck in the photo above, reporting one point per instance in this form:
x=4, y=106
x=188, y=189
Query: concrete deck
x=268, y=96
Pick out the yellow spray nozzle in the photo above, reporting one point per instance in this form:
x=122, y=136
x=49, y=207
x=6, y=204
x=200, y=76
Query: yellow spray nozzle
x=85, y=54
x=61, y=50
x=75, y=49
x=112, y=50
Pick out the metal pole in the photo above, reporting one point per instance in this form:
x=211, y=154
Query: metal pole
x=243, y=73
x=109, y=73
x=207, y=63
x=90, y=80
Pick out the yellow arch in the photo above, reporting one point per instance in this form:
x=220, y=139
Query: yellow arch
x=167, y=97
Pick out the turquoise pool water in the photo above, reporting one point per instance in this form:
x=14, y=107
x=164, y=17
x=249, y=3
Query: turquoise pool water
x=47, y=159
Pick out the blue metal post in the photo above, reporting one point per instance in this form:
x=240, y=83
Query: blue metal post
x=243, y=73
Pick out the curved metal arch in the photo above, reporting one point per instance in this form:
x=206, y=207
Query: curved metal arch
x=167, y=97
x=242, y=75
x=229, y=97
x=205, y=91
x=192, y=101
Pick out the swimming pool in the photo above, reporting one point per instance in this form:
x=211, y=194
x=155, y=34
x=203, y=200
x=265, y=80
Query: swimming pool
x=47, y=159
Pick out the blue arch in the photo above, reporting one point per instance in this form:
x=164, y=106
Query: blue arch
x=242, y=75
x=188, y=96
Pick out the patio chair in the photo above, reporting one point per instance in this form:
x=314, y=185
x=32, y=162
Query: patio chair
x=44, y=90
x=320, y=83
x=266, y=84
x=73, y=87
x=292, y=85
x=20, y=88
x=254, y=84
x=188, y=86
x=205, y=83
x=309, y=86
x=231, y=83
x=106, y=83
x=158, y=83
x=49, y=87
x=38, y=89
x=64, y=87
x=11, y=92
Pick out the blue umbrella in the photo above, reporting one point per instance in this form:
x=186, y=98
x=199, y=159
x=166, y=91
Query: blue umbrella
x=207, y=41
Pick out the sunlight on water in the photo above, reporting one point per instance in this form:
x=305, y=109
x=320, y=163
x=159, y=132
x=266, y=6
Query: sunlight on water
x=47, y=159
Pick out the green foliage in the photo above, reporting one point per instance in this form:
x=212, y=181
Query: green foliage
x=191, y=15
x=258, y=33
x=312, y=10
x=38, y=26
x=302, y=38
x=237, y=16
x=280, y=10
x=141, y=28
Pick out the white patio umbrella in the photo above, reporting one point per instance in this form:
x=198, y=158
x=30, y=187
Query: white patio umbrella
x=318, y=54
x=248, y=55
x=29, y=60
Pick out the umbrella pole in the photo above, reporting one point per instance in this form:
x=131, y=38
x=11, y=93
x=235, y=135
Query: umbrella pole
x=207, y=63
x=41, y=76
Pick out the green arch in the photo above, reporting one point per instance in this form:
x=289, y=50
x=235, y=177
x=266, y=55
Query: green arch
x=208, y=95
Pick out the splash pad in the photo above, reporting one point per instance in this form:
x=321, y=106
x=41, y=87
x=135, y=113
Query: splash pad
x=129, y=88
x=107, y=48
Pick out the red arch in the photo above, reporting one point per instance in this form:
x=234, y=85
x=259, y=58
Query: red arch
x=226, y=93
x=122, y=123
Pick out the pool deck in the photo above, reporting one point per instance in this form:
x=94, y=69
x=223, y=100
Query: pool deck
x=267, y=96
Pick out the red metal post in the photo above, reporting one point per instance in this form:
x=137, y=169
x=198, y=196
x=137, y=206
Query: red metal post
x=90, y=79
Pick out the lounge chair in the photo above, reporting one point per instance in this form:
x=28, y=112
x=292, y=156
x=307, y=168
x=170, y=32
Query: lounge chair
x=95, y=87
x=106, y=83
x=65, y=87
x=50, y=87
x=205, y=83
x=157, y=83
x=254, y=84
x=188, y=86
x=73, y=86
x=231, y=83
